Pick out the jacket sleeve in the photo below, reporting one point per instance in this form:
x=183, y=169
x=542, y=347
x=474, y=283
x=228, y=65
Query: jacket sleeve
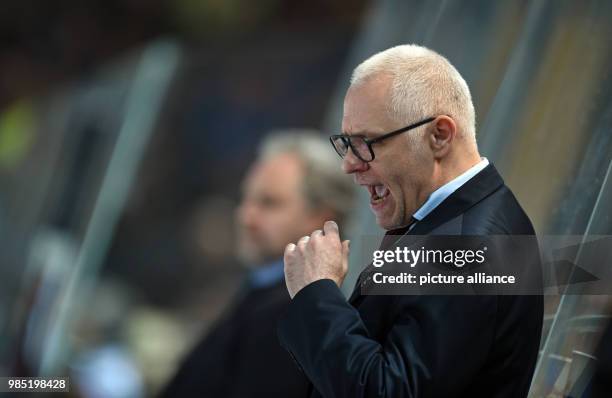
x=434, y=347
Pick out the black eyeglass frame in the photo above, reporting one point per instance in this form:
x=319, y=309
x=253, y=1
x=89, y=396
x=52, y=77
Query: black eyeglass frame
x=346, y=139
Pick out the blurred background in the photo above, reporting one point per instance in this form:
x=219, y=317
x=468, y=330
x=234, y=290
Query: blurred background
x=126, y=127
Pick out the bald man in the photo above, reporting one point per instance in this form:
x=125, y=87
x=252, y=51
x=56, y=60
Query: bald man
x=409, y=139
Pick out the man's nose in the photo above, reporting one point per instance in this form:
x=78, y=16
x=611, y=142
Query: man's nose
x=352, y=164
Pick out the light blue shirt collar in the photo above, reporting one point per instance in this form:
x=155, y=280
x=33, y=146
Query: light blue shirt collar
x=447, y=189
x=266, y=275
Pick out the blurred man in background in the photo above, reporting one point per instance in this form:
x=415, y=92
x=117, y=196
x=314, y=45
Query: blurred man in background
x=294, y=186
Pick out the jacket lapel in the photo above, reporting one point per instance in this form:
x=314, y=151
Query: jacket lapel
x=473, y=191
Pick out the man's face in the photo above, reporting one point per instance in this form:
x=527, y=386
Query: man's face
x=273, y=211
x=399, y=177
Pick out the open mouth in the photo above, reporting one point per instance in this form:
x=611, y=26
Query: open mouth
x=378, y=193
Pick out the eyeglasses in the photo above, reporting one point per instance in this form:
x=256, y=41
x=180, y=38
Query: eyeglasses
x=362, y=146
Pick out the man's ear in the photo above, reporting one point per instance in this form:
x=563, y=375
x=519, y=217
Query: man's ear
x=442, y=135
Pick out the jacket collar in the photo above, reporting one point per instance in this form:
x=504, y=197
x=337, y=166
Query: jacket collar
x=473, y=191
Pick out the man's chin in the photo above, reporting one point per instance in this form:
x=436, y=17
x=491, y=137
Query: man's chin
x=252, y=258
x=249, y=258
x=386, y=219
x=389, y=225
x=384, y=222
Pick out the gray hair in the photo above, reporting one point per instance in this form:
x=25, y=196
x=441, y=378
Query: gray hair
x=424, y=84
x=325, y=186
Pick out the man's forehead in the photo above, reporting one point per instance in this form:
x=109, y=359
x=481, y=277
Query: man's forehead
x=366, y=109
x=370, y=89
x=278, y=169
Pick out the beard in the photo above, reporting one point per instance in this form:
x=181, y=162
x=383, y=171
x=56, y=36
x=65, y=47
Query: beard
x=254, y=252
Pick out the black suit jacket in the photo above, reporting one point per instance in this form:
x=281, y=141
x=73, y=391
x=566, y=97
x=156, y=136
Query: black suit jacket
x=423, y=346
x=241, y=356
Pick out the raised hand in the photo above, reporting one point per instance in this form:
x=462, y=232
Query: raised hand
x=319, y=256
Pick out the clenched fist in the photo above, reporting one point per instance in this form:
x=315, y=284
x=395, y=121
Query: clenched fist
x=319, y=256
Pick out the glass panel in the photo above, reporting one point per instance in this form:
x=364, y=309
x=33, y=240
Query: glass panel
x=540, y=77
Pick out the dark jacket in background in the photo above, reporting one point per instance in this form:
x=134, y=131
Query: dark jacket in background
x=241, y=356
x=423, y=346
